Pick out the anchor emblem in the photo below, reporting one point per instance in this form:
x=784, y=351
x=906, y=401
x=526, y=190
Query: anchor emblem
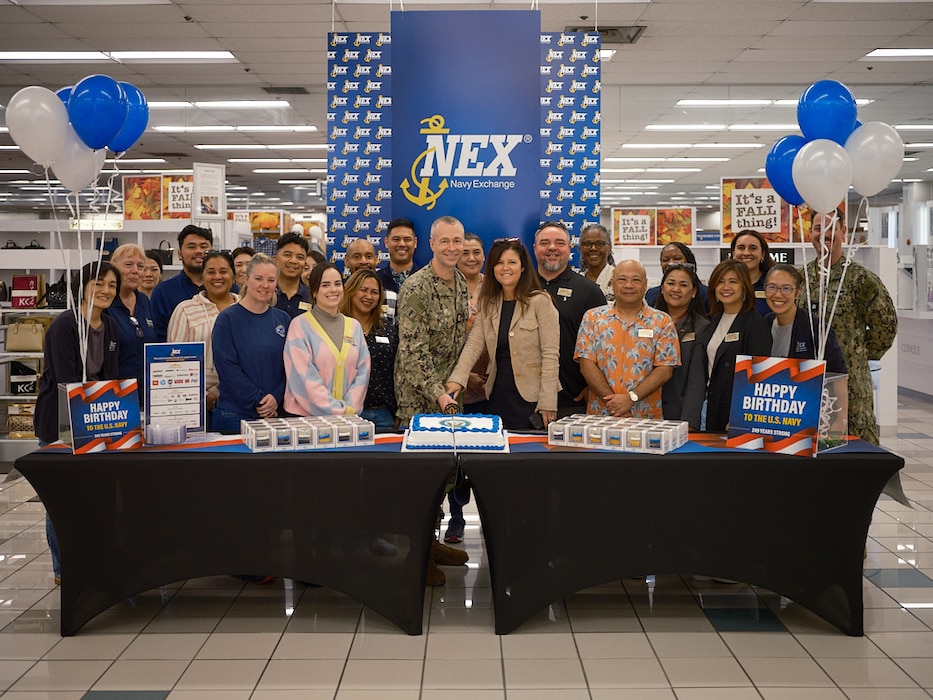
x=425, y=197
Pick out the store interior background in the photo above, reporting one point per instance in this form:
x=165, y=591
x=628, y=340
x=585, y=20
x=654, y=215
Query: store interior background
x=700, y=93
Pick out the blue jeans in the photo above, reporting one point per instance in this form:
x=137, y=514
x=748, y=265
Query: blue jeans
x=52, y=539
x=224, y=421
x=382, y=418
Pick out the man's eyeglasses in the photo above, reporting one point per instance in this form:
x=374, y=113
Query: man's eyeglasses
x=585, y=245
x=784, y=289
x=136, y=327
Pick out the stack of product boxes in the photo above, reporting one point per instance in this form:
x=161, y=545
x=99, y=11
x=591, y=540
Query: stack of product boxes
x=301, y=433
x=620, y=434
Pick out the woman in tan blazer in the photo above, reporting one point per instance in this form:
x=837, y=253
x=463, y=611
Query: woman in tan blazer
x=518, y=325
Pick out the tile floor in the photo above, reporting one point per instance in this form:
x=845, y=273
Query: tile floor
x=215, y=638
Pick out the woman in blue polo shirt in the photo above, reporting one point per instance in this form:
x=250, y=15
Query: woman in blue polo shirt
x=132, y=311
x=248, y=342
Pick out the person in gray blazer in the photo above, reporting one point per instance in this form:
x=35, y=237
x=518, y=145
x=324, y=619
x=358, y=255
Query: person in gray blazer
x=683, y=394
x=518, y=324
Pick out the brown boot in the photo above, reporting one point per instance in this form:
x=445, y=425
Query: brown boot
x=434, y=577
x=448, y=556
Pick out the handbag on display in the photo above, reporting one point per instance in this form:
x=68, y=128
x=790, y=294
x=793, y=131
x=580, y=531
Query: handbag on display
x=167, y=254
x=56, y=295
x=34, y=245
x=11, y=245
x=24, y=380
x=110, y=245
x=25, y=335
x=25, y=291
x=19, y=422
x=4, y=291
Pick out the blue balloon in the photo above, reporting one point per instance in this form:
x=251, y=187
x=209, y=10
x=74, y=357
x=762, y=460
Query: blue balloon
x=779, y=165
x=827, y=110
x=64, y=94
x=137, y=118
x=97, y=109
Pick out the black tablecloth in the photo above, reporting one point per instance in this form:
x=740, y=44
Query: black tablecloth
x=557, y=523
x=128, y=522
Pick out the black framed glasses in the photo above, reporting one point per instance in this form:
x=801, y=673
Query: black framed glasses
x=599, y=244
x=136, y=327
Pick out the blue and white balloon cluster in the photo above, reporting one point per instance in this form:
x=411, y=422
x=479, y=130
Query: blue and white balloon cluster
x=70, y=130
x=835, y=151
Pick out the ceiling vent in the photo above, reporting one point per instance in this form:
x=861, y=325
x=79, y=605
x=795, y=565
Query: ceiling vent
x=612, y=35
x=286, y=90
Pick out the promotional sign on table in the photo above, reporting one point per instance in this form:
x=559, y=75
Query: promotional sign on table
x=175, y=385
x=100, y=416
x=776, y=404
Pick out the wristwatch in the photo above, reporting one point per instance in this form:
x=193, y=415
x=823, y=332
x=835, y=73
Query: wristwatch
x=633, y=396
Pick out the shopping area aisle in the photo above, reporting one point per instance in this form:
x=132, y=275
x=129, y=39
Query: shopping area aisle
x=217, y=639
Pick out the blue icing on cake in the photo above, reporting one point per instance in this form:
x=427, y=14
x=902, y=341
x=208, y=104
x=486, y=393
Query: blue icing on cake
x=439, y=431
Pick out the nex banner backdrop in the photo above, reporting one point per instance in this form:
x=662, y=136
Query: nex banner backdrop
x=465, y=121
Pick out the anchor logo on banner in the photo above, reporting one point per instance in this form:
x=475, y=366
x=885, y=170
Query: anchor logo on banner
x=426, y=197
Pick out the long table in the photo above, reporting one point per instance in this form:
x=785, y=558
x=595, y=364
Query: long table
x=129, y=522
x=558, y=523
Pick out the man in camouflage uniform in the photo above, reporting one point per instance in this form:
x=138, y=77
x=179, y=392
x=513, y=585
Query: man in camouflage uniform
x=865, y=321
x=432, y=312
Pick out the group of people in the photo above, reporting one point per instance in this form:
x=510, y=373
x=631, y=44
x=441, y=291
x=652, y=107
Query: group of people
x=500, y=332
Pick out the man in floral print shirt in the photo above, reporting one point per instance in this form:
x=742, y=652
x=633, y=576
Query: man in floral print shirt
x=627, y=349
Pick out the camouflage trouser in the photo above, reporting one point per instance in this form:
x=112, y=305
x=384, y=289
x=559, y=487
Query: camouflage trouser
x=862, y=423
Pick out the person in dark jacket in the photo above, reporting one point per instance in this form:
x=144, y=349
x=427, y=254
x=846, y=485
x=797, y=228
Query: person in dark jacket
x=736, y=328
x=682, y=395
x=792, y=328
x=77, y=353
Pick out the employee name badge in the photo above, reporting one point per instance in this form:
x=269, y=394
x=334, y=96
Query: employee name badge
x=382, y=339
x=759, y=294
x=305, y=306
x=645, y=333
x=688, y=337
x=732, y=337
x=565, y=292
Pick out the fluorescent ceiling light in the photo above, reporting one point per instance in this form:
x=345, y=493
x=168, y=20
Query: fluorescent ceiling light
x=298, y=182
x=674, y=170
x=194, y=129
x=672, y=146
x=90, y=2
x=231, y=146
x=9, y=148
x=914, y=127
x=56, y=56
x=728, y=145
x=685, y=127
x=299, y=146
x=241, y=104
x=918, y=145
x=899, y=55
x=763, y=127
x=274, y=129
x=283, y=171
x=606, y=54
x=122, y=161
x=168, y=105
x=276, y=160
x=688, y=159
x=860, y=101
x=175, y=171
x=5, y=171
x=657, y=145
x=173, y=56
x=723, y=103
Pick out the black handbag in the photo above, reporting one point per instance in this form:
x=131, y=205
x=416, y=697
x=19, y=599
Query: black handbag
x=56, y=295
x=35, y=245
x=11, y=245
x=166, y=254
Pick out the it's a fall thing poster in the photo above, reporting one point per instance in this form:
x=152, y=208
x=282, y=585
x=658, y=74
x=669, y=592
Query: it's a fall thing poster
x=752, y=204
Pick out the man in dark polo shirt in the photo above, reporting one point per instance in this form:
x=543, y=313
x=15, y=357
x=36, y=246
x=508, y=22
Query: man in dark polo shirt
x=573, y=295
x=193, y=244
x=400, y=242
x=291, y=294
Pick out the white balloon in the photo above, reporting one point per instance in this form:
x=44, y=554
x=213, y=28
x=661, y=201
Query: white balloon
x=38, y=121
x=76, y=165
x=877, y=153
x=822, y=173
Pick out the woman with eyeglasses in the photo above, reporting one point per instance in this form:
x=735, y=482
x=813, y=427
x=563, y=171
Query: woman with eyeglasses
x=751, y=248
x=683, y=394
x=792, y=328
x=133, y=313
x=677, y=253
x=735, y=329
x=193, y=320
x=247, y=344
x=519, y=327
x=596, y=259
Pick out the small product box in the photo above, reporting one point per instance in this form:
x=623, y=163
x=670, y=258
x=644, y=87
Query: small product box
x=594, y=436
x=257, y=434
x=305, y=436
x=365, y=431
x=557, y=432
